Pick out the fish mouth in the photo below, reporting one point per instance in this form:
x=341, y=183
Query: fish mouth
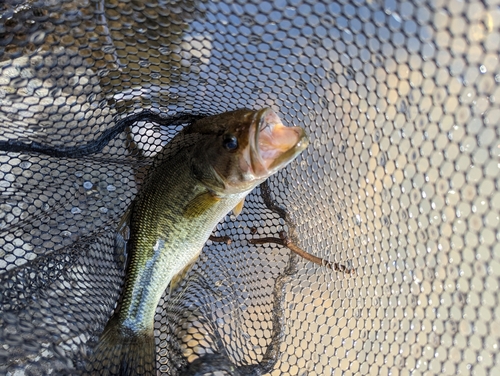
x=272, y=144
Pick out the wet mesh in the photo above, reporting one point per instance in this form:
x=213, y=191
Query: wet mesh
x=400, y=182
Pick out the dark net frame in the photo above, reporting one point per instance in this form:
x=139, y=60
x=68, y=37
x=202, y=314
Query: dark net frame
x=400, y=182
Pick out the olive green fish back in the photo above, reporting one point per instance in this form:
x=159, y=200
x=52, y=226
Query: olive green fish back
x=400, y=182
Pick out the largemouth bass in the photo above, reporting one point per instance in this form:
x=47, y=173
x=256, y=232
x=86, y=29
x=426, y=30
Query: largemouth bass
x=174, y=214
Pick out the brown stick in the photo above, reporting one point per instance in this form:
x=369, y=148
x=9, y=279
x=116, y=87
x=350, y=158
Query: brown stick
x=220, y=239
x=285, y=241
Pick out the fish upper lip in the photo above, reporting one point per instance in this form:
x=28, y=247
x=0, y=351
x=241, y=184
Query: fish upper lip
x=258, y=165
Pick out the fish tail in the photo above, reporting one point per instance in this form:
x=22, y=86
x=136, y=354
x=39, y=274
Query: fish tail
x=119, y=354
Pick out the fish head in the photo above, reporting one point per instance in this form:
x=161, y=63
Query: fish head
x=242, y=148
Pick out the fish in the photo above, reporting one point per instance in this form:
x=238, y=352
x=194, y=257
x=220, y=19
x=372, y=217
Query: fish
x=186, y=194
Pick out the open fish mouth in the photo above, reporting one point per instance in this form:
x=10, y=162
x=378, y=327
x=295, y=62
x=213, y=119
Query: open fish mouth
x=272, y=144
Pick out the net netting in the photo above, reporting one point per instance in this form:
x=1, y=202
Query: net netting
x=400, y=182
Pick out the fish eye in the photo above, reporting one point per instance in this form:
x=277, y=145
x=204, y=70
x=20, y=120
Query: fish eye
x=230, y=142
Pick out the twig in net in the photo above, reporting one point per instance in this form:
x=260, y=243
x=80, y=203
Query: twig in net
x=284, y=240
x=220, y=239
x=288, y=240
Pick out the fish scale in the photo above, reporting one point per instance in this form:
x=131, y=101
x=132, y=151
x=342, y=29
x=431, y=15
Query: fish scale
x=152, y=215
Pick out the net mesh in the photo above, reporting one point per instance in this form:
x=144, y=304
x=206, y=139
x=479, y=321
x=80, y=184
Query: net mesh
x=400, y=182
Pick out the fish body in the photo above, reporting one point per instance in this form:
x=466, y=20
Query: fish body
x=173, y=216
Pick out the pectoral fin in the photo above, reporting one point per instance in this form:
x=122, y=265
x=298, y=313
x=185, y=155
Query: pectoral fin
x=176, y=279
x=200, y=204
x=239, y=207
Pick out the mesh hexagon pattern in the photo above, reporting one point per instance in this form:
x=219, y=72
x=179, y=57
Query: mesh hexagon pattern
x=400, y=182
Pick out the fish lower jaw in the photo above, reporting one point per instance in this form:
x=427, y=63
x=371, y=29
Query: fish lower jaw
x=277, y=151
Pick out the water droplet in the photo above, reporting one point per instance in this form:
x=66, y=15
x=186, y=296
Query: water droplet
x=111, y=188
x=103, y=72
x=349, y=73
x=247, y=21
x=331, y=76
x=382, y=160
x=342, y=147
x=357, y=219
x=103, y=210
x=164, y=50
x=87, y=185
x=108, y=49
x=38, y=37
x=76, y=210
x=314, y=42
